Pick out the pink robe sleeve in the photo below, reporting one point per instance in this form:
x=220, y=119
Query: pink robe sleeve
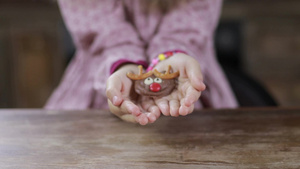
x=102, y=37
x=190, y=28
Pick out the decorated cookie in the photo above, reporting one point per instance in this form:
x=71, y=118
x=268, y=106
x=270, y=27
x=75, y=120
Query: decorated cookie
x=154, y=83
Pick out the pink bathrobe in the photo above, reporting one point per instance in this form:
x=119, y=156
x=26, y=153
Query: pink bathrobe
x=108, y=33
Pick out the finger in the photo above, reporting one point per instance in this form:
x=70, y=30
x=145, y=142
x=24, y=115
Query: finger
x=153, y=111
x=113, y=90
x=192, y=95
x=183, y=110
x=191, y=109
x=142, y=119
x=121, y=114
x=114, y=109
x=163, y=105
x=150, y=106
x=194, y=73
x=146, y=103
x=174, y=107
x=129, y=107
x=153, y=114
x=128, y=118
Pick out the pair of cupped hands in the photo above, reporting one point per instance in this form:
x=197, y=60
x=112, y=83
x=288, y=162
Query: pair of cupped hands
x=131, y=107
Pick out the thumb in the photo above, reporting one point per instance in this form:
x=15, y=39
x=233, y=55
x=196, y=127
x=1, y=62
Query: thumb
x=194, y=74
x=113, y=90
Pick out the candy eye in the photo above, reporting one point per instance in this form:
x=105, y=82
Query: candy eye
x=157, y=80
x=148, y=81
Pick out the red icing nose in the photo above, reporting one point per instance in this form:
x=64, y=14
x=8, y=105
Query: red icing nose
x=155, y=87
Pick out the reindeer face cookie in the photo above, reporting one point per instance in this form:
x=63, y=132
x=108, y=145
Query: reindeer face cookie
x=154, y=83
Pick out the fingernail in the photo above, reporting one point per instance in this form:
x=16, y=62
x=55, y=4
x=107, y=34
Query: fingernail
x=115, y=98
x=203, y=86
x=143, y=121
x=188, y=103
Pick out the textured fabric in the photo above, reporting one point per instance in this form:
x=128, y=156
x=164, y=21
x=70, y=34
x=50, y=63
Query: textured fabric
x=107, y=31
x=120, y=62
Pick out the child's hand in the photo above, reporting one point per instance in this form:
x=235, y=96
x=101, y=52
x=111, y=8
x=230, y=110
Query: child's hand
x=190, y=84
x=125, y=103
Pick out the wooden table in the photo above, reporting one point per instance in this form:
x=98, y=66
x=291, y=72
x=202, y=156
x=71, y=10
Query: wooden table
x=243, y=138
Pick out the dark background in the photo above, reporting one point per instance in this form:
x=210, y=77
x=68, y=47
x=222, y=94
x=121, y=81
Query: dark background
x=261, y=39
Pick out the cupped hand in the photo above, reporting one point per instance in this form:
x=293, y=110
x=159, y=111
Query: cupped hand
x=125, y=103
x=190, y=85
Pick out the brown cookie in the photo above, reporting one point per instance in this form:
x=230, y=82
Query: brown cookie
x=154, y=83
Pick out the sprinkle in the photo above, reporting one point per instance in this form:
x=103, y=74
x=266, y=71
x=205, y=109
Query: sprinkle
x=168, y=54
x=149, y=69
x=155, y=61
x=161, y=57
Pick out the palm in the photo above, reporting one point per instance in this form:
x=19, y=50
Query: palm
x=147, y=110
x=181, y=100
x=180, y=92
x=143, y=102
x=177, y=102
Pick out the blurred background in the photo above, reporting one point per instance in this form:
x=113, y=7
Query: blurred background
x=258, y=44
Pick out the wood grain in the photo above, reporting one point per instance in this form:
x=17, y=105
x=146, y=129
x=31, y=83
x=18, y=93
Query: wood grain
x=243, y=138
